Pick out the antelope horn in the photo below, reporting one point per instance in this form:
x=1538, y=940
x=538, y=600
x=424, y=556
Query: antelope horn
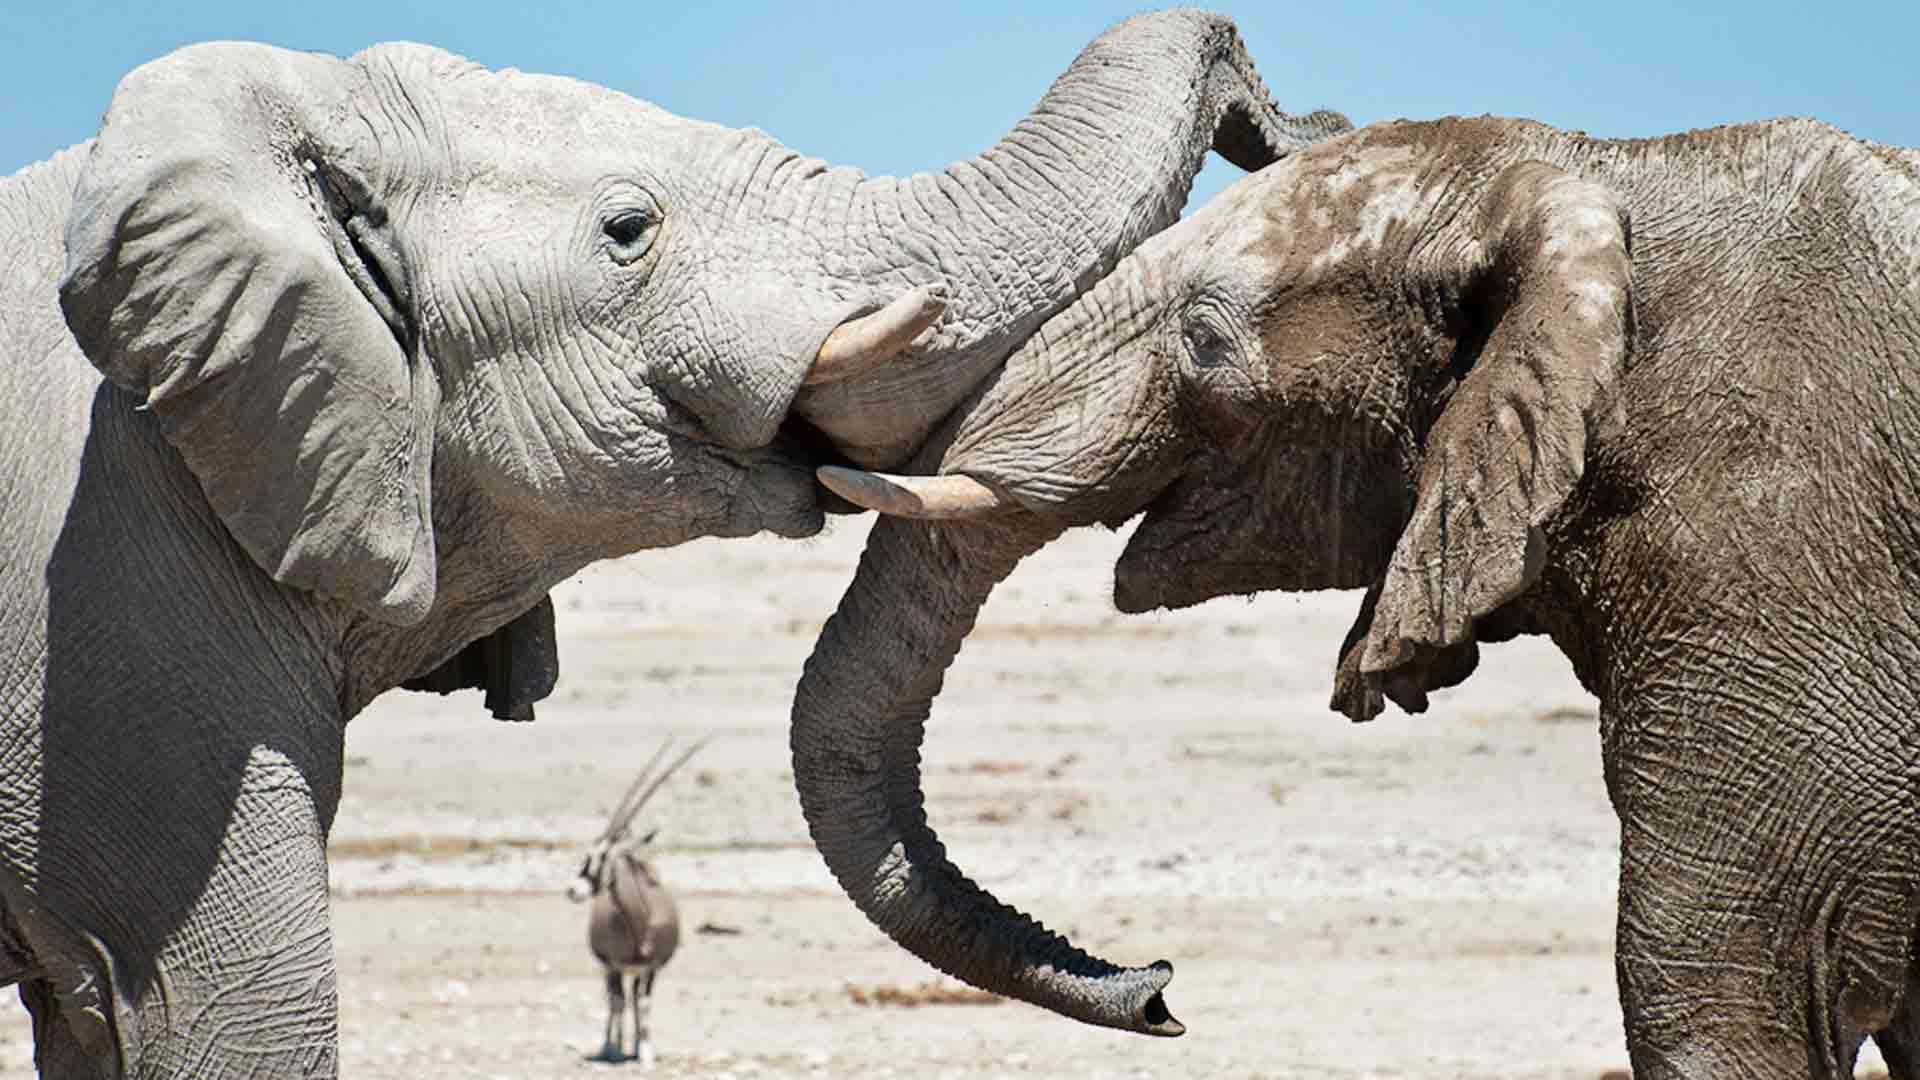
x=949, y=497
x=618, y=819
x=862, y=344
x=665, y=775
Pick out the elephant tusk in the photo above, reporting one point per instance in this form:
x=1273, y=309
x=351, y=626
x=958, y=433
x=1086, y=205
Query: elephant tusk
x=862, y=344
x=950, y=497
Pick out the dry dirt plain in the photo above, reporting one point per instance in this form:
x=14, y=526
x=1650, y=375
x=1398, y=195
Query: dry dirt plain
x=1419, y=897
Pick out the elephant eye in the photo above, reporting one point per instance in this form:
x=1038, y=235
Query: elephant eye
x=1209, y=349
x=629, y=234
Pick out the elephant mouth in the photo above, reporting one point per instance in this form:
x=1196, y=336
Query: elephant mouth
x=773, y=491
x=864, y=338
x=1153, y=573
x=811, y=449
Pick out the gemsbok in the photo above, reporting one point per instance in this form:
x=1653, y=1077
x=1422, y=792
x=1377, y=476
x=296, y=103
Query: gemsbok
x=633, y=926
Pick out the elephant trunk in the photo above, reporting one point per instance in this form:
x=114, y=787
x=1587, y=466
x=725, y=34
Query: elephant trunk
x=1104, y=161
x=858, y=721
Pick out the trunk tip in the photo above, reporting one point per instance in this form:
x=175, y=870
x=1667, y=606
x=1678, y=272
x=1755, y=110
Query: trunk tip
x=1156, y=1020
x=1154, y=1017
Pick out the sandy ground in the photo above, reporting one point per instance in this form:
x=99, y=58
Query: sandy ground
x=1419, y=897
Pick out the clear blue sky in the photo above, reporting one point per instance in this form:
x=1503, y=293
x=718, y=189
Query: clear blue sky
x=899, y=86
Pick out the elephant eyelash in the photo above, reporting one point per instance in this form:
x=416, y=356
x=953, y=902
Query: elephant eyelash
x=630, y=233
x=1204, y=329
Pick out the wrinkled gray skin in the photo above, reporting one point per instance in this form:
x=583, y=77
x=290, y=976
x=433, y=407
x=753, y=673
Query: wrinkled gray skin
x=1657, y=399
x=391, y=345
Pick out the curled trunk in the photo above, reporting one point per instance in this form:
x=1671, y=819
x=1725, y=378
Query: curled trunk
x=1056, y=439
x=1104, y=161
x=858, y=722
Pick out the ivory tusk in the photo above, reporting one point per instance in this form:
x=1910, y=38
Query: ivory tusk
x=862, y=344
x=950, y=497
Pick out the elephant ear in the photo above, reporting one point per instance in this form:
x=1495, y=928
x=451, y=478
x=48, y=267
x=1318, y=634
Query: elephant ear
x=1553, y=272
x=204, y=274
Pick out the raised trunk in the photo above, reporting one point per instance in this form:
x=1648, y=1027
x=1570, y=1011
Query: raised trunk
x=858, y=721
x=1104, y=161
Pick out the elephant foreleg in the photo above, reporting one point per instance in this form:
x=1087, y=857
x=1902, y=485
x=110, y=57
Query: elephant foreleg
x=1691, y=1016
x=1738, y=967
x=244, y=986
x=1899, y=1041
x=60, y=1052
x=178, y=925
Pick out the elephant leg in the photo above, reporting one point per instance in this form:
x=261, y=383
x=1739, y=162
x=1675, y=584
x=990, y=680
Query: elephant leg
x=60, y=1052
x=238, y=984
x=1729, y=968
x=610, y=1048
x=1666, y=992
x=1899, y=1041
x=642, y=1012
x=244, y=986
x=1766, y=916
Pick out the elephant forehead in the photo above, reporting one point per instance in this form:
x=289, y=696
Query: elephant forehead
x=508, y=126
x=1301, y=216
x=1354, y=207
x=1228, y=239
x=504, y=107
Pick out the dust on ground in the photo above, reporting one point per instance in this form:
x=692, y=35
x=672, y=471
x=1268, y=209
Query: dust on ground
x=1424, y=896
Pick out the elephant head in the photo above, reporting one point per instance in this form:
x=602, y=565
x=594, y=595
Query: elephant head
x=419, y=328
x=346, y=287
x=1375, y=363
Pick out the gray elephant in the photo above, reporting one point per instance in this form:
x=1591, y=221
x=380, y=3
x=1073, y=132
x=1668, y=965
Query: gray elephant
x=1659, y=400
x=391, y=345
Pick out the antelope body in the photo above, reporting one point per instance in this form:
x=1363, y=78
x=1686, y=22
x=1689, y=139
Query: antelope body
x=633, y=926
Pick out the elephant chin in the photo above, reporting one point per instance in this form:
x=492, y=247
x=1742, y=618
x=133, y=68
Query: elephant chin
x=1149, y=581
x=1288, y=519
x=1153, y=575
x=1184, y=553
x=1169, y=566
x=778, y=496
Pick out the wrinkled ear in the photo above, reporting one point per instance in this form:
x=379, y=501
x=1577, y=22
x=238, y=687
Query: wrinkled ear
x=1554, y=270
x=202, y=275
x=1361, y=695
x=517, y=665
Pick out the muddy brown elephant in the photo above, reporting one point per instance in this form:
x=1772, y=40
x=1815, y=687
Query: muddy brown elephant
x=320, y=373
x=1658, y=399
